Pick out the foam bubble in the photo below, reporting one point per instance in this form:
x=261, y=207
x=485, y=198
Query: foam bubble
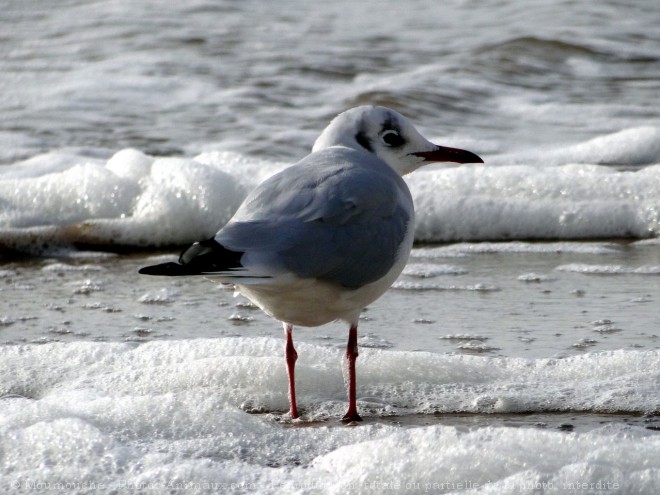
x=463, y=336
x=427, y=270
x=416, y=286
x=476, y=346
x=462, y=249
x=161, y=296
x=535, y=277
x=65, y=267
x=609, y=269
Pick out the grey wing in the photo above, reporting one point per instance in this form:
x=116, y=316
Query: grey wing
x=342, y=224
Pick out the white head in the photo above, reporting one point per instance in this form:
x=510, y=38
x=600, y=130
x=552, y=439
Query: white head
x=390, y=136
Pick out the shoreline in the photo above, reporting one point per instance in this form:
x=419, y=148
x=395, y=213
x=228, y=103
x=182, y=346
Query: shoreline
x=570, y=422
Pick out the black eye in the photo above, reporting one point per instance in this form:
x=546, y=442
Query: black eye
x=392, y=138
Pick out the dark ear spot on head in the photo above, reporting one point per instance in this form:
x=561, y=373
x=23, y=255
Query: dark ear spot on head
x=363, y=140
x=391, y=124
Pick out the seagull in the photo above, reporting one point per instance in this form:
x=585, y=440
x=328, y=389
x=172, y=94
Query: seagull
x=327, y=236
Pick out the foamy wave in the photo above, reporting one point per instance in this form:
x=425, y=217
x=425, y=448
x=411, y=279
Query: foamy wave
x=633, y=146
x=524, y=202
x=131, y=199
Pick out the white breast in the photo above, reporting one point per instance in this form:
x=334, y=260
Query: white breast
x=313, y=302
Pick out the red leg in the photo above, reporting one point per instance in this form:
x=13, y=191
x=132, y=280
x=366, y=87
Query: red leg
x=351, y=356
x=291, y=356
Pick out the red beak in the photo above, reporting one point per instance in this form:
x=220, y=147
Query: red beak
x=444, y=154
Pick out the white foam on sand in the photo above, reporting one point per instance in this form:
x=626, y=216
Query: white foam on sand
x=428, y=270
x=609, y=269
x=461, y=249
x=172, y=412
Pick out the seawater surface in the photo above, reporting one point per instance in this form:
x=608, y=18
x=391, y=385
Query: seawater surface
x=519, y=352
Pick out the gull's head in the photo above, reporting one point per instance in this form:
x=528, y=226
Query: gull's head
x=390, y=136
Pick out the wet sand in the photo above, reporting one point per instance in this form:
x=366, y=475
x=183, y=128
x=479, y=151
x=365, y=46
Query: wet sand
x=531, y=300
x=575, y=421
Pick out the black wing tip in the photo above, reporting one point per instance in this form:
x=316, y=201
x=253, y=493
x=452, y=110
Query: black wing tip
x=201, y=258
x=167, y=269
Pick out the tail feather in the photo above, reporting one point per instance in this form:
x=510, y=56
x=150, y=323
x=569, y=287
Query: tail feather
x=201, y=258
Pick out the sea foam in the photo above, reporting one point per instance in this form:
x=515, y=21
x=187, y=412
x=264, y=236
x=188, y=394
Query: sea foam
x=132, y=199
x=172, y=415
x=240, y=369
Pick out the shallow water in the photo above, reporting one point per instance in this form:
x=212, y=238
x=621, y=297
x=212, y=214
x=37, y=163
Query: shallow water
x=533, y=300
